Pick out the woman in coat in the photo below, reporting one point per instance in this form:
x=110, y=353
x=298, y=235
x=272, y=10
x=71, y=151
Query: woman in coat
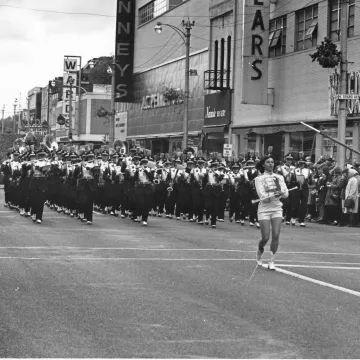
x=351, y=192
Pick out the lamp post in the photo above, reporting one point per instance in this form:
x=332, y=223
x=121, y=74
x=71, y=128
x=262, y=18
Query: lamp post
x=110, y=71
x=14, y=125
x=2, y=122
x=185, y=35
x=71, y=82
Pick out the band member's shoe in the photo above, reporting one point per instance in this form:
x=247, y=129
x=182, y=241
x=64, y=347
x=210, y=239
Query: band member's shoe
x=242, y=222
x=231, y=219
x=293, y=222
x=259, y=255
x=33, y=218
x=220, y=220
x=38, y=221
x=257, y=225
x=200, y=222
x=206, y=222
x=144, y=223
x=213, y=226
x=89, y=222
x=302, y=224
x=177, y=218
x=6, y=205
x=27, y=214
x=252, y=224
x=238, y=222
x=167, y=216
x=288, y=223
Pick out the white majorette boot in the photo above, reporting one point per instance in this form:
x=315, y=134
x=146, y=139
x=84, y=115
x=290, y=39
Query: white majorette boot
x=259, y=255
x=271, y=265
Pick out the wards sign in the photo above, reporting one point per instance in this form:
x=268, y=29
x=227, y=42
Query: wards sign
x=124, y=50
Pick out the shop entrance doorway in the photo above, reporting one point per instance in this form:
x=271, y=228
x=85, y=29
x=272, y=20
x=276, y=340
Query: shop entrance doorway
x=277, y=142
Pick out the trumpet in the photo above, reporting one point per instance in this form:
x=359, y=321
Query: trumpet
x=156, y=181
x=169, y=189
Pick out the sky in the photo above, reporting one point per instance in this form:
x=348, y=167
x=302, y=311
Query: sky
x=33, y=43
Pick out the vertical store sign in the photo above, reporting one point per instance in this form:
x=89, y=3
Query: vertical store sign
x=124, y=50
x=70, y=74
x=255, y=51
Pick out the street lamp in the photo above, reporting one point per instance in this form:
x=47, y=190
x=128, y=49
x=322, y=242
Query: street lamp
x=15, y=105
x=185, y=36
x=110, y=71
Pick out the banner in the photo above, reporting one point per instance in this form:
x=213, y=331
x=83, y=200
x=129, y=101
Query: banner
x=217, y=109
x=124, y=50
x=255, y=52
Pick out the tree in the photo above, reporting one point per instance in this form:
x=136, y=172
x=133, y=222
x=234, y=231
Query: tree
x=99, y=73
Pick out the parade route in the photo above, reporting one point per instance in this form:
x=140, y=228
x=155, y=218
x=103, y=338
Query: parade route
x=174, y=289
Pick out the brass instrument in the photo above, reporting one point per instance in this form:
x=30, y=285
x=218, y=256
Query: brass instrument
x=170, y=187
x=50, y=143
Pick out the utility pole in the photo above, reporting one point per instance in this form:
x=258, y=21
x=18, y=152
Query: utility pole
x=14, y=123
x=48, y=106
x=2, y=122
x=188, y=25
x=343, y=80
x=70, y=110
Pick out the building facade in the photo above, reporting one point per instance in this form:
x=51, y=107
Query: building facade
x=156, y=117
x=255, y=79
x=298, y=89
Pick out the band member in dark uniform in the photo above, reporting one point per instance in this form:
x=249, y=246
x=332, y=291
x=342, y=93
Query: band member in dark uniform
x=38, y=186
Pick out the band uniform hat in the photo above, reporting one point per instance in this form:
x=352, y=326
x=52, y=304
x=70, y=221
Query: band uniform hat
x=136, y=157
x=73, y=155
x=167, y=162
x=289, y=157
x=221, y=165
x=41, y=152
x=250, y=162
x=90, y=153
x=235, y=165
x=190, y=161
x=105, y=153
x=177, y=160
x=214, y=163
x=144, y=160
x=31, y=154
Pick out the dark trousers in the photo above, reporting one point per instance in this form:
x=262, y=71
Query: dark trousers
x=211, y=202
x=144, y=200
x=198, y=202
x=235, y=205
x=37, y=201
x=86, y=204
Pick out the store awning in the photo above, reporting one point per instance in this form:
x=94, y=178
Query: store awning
x=264, y=130
x=214, y=129
x=162, y=136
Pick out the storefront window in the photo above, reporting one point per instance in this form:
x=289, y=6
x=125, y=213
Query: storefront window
x=252, y=142
x=330, y=148
x=296, y=143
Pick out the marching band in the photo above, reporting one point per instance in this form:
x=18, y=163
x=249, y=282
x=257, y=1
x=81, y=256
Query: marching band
x=134, y=185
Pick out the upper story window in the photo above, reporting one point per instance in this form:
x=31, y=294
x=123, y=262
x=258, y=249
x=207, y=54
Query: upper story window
x=277, y=37
x=306, y=28
x=335, y=19
x=151, y=10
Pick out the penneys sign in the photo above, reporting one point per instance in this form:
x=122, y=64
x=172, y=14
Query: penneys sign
x=124, y=50
x=255, y=51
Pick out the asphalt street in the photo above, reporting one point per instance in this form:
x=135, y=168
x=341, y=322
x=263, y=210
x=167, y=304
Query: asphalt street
x=174, y=289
